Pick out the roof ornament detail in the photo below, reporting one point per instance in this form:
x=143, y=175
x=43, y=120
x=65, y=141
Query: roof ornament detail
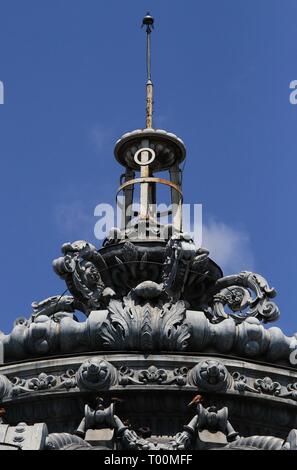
x=148, y=21
x=162, y=324
x=149, y=151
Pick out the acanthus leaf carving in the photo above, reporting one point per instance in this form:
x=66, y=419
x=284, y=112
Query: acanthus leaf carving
x=175, y=332
x=142, y=321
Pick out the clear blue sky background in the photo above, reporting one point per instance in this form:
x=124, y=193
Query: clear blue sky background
x=74, y=82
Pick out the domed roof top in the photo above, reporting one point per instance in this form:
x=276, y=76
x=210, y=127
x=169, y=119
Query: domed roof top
x=169, y=148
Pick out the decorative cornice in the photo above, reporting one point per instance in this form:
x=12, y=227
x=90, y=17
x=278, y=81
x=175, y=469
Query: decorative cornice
x=97, y=374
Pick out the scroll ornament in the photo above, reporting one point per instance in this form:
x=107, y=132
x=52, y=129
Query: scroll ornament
x=246, y=295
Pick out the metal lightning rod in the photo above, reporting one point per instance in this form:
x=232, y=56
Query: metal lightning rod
x=148, y=21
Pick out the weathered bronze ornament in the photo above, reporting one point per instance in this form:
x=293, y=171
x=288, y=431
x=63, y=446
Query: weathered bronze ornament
x=162, y=325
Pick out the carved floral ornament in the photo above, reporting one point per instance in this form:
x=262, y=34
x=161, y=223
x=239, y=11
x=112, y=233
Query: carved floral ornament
x=96, y=374
x=150, y=307
x=151, y=316
x=82, y=266
x=268, y=386
x=146, y=324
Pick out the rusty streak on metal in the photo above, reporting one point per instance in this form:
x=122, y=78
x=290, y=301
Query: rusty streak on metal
x=149, y=105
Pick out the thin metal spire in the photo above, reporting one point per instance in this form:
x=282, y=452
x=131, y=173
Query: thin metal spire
x=148, y=21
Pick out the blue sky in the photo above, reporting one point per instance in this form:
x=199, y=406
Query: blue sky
x=74, y=76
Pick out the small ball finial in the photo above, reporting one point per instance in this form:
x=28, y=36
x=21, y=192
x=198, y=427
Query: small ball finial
x=148, y=21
